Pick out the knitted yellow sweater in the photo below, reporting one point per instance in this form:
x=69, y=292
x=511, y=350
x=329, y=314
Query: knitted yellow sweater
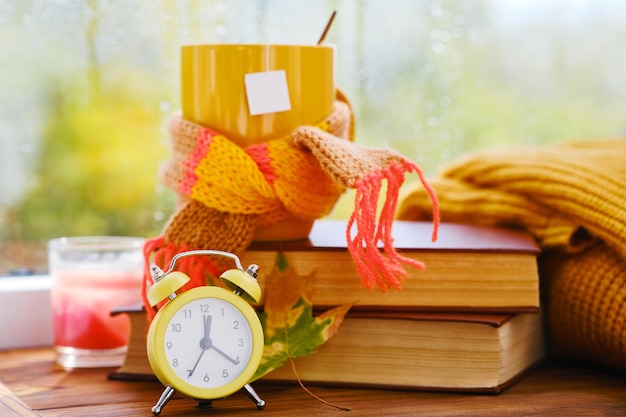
x=572, y=198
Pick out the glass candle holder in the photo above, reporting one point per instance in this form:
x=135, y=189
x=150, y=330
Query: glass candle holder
x=91, y=276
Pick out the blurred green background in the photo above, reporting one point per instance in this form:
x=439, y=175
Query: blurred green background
x=86, y=88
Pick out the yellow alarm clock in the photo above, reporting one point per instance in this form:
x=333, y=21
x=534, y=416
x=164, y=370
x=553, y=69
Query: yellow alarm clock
x=207, y=342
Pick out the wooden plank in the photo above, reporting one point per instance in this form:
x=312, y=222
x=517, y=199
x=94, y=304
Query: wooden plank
x=11, y=406
x=32, y=379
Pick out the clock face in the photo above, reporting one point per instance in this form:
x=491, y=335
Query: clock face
x=207, y=342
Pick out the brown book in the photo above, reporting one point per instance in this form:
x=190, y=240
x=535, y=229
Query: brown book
x=469, y=269
x=136, y=365
x=420, y=351
x=442, y=352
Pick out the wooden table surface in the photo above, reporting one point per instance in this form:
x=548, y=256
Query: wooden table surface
x=31, y=384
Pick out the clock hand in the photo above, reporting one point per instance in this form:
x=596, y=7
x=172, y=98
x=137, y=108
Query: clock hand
x=205, y=343
x=234, y=361
x=207, y=327
x=192, y=370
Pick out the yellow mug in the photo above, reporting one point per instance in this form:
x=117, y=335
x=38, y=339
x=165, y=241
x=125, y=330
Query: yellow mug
x=214, y=95
x=214, y=92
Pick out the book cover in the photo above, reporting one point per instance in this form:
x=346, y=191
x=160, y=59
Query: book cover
x=442, y=352
x=482, y=353
x=469, y=268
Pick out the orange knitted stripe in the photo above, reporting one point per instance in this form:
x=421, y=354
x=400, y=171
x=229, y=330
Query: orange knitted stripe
x=260, y=154
x=203, y=142
x=303, y=187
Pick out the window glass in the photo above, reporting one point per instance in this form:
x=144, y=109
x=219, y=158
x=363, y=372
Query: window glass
x=86, y=88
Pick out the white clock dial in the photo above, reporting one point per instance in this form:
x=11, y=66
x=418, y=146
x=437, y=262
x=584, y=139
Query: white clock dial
x=208, y=342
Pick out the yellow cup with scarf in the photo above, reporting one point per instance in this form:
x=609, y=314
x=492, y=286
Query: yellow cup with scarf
x=250, y=168
x=254, y=93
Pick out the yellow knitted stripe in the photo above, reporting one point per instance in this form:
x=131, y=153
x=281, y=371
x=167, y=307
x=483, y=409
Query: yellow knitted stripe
x=230, y=181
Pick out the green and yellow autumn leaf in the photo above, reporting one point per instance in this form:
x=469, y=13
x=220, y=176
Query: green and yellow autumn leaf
x=290, y=329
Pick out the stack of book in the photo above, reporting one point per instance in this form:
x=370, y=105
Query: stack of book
x=470, y=321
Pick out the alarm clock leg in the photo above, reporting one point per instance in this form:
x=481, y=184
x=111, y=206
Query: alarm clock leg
x=167, y=395
x=204, y=403
x=251, y=393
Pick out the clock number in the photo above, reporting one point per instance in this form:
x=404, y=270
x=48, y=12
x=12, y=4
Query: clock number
x=169, y=345
x=204, y=308
x=222, y=308
x=235, y=325
x=206, y=378
x=225, y=373
x=240, y=342
x=176, y=327
x=187, y=313
x=175, y=363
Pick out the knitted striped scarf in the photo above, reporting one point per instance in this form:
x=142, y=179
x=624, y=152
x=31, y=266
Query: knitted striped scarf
x=230, y=191
x=572, y=198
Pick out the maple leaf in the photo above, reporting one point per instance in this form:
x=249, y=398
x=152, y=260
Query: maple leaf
x=289, y=327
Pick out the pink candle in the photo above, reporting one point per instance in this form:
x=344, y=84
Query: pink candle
x=82, y=302
x=91, y=276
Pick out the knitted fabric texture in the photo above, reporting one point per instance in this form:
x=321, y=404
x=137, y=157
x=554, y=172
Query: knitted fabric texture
x=572, y=198
x=231, y=191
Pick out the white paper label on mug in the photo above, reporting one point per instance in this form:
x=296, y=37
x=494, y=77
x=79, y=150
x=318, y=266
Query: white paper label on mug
x=267, y=92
